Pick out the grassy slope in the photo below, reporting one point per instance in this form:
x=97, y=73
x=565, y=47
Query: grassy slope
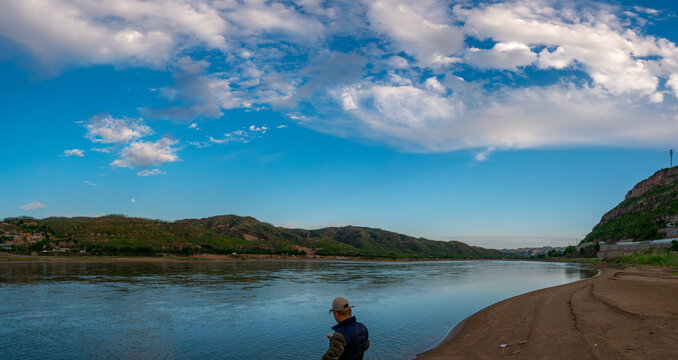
x=116, y=234
x=641, y=217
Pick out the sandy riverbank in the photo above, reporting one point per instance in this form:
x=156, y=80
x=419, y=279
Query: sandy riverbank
x=620, y=314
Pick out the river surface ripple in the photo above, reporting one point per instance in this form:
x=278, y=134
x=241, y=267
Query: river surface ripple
x=246, y=310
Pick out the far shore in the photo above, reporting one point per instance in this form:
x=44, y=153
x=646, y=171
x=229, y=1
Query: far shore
x=16, y=258
x=627, y=313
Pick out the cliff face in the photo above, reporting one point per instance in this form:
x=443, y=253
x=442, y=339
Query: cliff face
x=648, y=211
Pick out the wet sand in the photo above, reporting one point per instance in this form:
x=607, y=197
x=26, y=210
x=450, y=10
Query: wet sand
x=619, y=314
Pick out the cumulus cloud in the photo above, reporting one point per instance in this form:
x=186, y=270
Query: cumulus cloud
x=73, y=152
x=33, y=205
x=612, y=105
x=111, y=31
x=417, y=119
x=613, y=56
x=502, y=56
x=198, y=93
x=390, y=70
x=395, y=109
x=672, y=82
x=256, y=17
x=106, y=129
x=147, y=153
x=408, y=23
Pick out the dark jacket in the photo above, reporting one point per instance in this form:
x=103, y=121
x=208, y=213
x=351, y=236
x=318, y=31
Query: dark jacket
x=349, y=341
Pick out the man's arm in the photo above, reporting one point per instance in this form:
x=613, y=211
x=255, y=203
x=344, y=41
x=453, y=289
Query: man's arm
x=337, y=346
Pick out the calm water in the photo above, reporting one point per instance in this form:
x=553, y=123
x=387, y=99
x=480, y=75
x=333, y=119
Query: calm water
x=246, y=310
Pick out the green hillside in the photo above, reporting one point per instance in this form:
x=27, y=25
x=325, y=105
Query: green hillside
x=649, y=211
x=121, y=235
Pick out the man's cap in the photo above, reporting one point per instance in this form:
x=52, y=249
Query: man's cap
x=340, y=304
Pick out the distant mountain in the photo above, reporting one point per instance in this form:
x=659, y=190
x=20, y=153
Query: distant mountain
x=649, y=211
x=529, y=252
x=118, y=234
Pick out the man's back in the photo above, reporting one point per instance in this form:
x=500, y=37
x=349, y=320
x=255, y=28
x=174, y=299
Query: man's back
x=349, y=341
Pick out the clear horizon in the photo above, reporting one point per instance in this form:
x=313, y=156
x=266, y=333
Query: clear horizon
x=504, y=125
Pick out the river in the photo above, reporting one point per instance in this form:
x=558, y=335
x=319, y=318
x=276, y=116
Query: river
x=246, y=310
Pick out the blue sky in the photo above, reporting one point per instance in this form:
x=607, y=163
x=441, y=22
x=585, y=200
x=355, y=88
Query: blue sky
x=501, y=124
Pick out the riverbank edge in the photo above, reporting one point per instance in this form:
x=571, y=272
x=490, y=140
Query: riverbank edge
x=459, y=327
x=19, y=258
x=472, y=335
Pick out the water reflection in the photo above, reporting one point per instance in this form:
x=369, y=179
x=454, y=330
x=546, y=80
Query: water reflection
x=236, y=310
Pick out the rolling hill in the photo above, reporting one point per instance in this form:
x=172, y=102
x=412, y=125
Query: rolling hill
x=121, y=235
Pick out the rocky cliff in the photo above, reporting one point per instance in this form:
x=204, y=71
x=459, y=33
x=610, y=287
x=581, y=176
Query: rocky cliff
x=649, y=211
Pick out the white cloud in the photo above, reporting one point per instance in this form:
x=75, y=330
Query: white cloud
x=198, y=93
x=508, y=55
x=133, y=200
x=281, y=126
x=483, y=155
x=90, y=183
x=610, y=54
x=414, y=119
x=435, y=85
x=657, y=98
x=111, y=31
x=255, y=17
x=421, y=28
x=261, y=129
x=32, y=205
x=243, y=136
x=234, y=136
x=348, y=101
x=106, y=129
x=608, y=83
x=73, y=152
x=557, y=59
x=398, y=62
x=146, y=153
x=672, y=82
x=150, y=172
x=398, y=109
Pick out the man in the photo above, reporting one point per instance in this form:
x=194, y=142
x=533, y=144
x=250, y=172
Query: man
x=350, y=339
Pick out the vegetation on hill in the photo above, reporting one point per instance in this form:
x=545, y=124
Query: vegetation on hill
x=648, y=212
x=121, y=235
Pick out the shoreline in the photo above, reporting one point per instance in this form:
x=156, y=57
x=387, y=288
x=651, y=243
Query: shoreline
x=19, y=258
x=459, y=326
x=618, y=313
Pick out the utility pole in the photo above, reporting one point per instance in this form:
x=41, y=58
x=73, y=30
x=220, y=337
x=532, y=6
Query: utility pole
x=671, y=158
